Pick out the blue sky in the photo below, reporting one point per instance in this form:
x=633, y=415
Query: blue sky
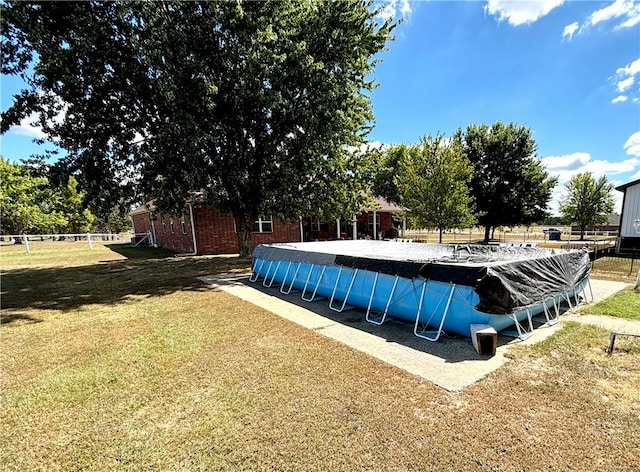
x=569, y=70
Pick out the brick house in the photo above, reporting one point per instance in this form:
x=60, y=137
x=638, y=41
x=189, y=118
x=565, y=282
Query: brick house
x=612, y=225
x=629, y=238
x=206, y=230
x=381, y=212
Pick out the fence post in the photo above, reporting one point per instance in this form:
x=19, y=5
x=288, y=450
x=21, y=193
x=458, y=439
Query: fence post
x=89, y=240
x=26, y=242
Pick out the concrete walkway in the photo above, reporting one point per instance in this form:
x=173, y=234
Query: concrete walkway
x=451, y=363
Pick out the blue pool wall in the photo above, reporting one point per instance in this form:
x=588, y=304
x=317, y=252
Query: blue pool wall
x=406, y=298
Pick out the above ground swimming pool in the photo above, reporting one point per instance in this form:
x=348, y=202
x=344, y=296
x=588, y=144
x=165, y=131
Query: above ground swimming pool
x=439, y=288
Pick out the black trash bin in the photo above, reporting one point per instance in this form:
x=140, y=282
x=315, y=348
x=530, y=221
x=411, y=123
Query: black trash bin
x=555, y=235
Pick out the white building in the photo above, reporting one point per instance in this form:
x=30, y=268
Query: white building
x=629, y=239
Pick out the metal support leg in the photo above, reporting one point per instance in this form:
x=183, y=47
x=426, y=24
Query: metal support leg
x=386, y=308
x=304, y=291
x=439, y=332
x=373, y=290
x=520, y=333
x=256, y=273
x=556, y=307
x=270, y=283
x=344, y=302
x=547, y=314
x=566, y=296
x=287, y=291
x=584, y=290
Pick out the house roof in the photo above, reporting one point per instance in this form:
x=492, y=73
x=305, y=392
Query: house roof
x=623, y=187
x=144, y=208
x=381, y=204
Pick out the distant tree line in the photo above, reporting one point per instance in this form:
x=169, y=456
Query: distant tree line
x=485, y=174
x=32, y=203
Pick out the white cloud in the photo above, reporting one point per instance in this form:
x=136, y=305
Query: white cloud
x=565, y=162
x=566, y=166
x=628, y=11
x=619, y=98
x=630, y=69
x=520, y=12
x=624, y=78
x=625, y=84
x=632, y=145
x=632, y=20
x=570, y=29
x=609, y=12
x=392, y=7
x=620, y=8
x=27, y=127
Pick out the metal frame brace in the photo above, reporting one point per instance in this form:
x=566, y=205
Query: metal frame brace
x=440, y=331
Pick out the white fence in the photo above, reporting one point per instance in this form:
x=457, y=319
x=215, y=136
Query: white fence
x=89, y=237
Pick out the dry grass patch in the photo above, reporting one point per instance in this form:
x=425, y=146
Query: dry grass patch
x=135, y=365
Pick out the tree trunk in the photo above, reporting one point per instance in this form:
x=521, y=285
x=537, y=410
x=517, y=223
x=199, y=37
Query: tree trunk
x=440, y=240
x=582, y=228
x=487, y=231
x=244, y=227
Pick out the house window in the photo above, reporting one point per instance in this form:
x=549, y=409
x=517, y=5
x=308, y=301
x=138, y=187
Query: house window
x=183, y=226
x=171, y=226
x=319, y=225
x=263, y=226
x=164, y=225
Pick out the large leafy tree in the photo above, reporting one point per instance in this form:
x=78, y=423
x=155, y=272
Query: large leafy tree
x=69, y=203
x=251, y=104
x=509, y=185
x=432, y=181
x=27, y=204
x=386, y=163
x=587, y=201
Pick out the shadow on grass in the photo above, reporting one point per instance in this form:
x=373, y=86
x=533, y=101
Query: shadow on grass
x=111, y=282
x=140, y=252
x=18, y=317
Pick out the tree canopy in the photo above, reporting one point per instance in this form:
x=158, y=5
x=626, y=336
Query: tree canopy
x=31, y=204
x=587, y=201
x=432, y=180
x=509, y=185
x=253, y=105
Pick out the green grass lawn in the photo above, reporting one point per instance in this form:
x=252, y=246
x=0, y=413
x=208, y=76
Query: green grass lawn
x=624, y=304
x=109, y=362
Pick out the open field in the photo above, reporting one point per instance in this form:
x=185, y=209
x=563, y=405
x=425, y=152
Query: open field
x=113, y=361
x=532, y=234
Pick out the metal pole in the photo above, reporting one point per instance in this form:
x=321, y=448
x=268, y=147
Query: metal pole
x=89, y=240
x=375, y=229
x=26, y=242
x=301, y=230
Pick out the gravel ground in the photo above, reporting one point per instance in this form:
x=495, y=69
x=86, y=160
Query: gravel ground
x=451, y=363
